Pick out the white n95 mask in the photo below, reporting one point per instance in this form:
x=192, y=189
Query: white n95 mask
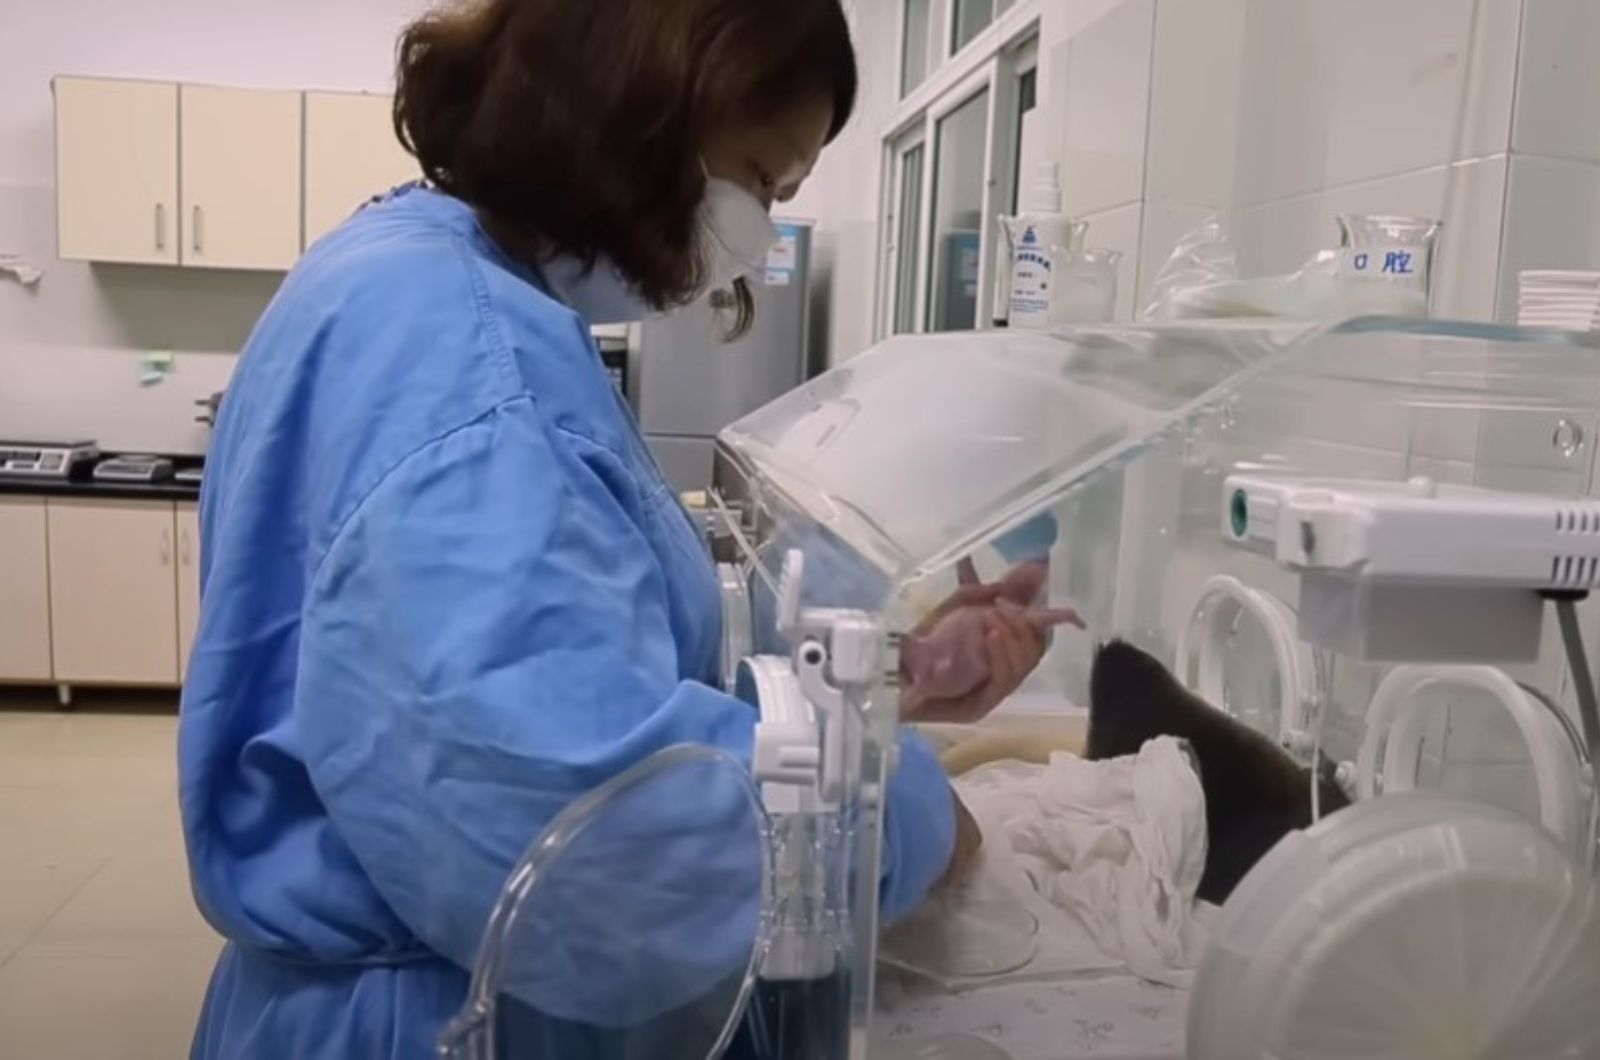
x=737, y=234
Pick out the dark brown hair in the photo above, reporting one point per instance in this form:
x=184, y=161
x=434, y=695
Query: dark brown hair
x=574, y=127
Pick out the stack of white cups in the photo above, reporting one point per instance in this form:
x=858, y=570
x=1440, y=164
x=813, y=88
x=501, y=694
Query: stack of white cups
x=1557, y=298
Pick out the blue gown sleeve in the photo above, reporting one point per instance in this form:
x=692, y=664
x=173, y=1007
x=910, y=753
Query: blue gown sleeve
x=489, y=637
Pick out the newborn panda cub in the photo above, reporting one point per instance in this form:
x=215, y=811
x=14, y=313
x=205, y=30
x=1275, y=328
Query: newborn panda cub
x=1255, y=793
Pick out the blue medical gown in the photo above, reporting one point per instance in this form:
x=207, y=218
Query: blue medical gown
x=446, y=591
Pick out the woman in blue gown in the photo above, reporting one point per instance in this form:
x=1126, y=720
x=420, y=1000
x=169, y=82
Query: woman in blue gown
x=446, y=590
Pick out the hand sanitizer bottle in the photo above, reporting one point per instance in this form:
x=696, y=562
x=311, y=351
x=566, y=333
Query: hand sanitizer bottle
x=1040, y=237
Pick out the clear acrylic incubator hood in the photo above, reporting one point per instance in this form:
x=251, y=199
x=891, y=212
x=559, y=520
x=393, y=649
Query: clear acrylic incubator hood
x=1345, y=537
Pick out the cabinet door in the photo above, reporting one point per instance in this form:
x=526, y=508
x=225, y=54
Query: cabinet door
x=25, y=591
x=241, y=177
x=113, y=595
x=117, y=170
x=188, y=582
x=352, y=154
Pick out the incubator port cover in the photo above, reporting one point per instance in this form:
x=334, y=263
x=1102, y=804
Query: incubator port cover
x=1415, y=926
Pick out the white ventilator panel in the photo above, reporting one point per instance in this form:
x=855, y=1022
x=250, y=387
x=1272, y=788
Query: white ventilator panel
x=1418, y=570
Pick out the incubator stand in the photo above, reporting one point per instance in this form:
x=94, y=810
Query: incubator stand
x=849, y=504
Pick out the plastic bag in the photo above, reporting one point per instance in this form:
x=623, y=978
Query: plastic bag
x=1201, y=280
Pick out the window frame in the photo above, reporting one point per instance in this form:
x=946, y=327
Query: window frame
x=996, y=59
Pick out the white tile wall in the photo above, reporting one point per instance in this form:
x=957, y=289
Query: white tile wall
x=1107, y=94
x=1287, y=94
x=1339, y=93
x=1398, y=75
x=1552, y=219
x=1199, y=72
x=1557, y=75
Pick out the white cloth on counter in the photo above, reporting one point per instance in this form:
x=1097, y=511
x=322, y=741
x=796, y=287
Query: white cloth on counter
x=1106, y=856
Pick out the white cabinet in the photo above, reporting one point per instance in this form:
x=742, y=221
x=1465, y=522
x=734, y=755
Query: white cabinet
x=24, y=591
x=188, y=525
x=352, y=154
x=117, y=170
x=113, y=598
x=156, y=173
x=241, y=177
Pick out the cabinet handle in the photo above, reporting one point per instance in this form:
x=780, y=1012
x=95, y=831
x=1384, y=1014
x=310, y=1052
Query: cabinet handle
x=197, y=218
x=186, y=549
x=161, y=226
x=166, y=548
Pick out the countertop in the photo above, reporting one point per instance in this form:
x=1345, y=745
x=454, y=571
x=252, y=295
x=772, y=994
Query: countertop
x=90, y=490
x=86, y=488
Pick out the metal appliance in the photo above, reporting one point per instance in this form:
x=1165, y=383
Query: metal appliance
x=691, y=384
x=133, y=468
x=614, y=356
x=54, y=460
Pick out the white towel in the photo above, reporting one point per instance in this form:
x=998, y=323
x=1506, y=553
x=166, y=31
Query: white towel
x=1117, y=846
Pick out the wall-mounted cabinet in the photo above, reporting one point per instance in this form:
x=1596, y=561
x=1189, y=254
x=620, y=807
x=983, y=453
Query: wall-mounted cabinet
x=154, y=173
x=352, y=154
x=161, y=174
x=240, y=177
x=117, y=170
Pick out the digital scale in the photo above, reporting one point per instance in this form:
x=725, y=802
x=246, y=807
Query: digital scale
x=53, y=460
x=133, y=468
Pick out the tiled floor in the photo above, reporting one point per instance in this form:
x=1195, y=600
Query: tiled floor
x=102, y=954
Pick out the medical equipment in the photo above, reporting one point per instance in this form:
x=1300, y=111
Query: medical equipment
x=133, y=468
x=1182, y=465
x=56, y=460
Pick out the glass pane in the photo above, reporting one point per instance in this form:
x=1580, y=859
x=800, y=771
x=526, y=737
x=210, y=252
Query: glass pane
x=1027, y=99
x=961, y=145
x=972, y=18
x=914, y=50
x=909, y=241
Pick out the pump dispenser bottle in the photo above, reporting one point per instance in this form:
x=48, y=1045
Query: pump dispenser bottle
x=1042, y=237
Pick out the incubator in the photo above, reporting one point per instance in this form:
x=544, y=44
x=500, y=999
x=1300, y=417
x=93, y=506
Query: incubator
x=1346, y=537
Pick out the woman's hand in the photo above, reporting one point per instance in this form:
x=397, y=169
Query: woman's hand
x=984, y=631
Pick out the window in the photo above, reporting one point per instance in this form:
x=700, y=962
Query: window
x=908, y=243
x=972, y=17
x=960, y=140
x=915, y=30
x=951, y=159
x=1027, y=99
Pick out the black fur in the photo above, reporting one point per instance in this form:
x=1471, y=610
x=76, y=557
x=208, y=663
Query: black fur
x=1255, y=793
